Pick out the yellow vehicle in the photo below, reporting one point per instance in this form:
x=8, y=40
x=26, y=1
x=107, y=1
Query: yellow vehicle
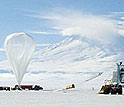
x=106, y=89
x=116, y=84
x=70, y=87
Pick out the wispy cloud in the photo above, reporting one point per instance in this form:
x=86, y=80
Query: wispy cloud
x=117, y=13
x=122, y=18
x=44, y=33
x=2, y=49
x=42, y=45
x=102, y=28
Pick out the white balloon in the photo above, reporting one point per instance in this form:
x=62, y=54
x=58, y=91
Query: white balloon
x=19, y=48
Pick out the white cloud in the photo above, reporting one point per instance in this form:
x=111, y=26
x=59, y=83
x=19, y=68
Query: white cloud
x=44, y=33
x=122, y=18
x=118, y=13
x=40, y=45
x=101, y=28
x=36, y=32
x=2, y=49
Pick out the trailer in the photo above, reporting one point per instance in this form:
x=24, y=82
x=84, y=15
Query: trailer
x=27, y=87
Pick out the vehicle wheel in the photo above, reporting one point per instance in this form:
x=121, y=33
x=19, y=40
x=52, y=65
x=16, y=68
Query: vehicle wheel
x=113, y=92
x=120, y=92
x=107, y=91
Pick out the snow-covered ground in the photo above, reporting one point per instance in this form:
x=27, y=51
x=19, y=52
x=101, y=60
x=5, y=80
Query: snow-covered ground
x=73, y=98
x=73, y=60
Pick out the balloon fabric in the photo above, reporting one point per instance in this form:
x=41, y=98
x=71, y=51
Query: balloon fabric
x=19, y=48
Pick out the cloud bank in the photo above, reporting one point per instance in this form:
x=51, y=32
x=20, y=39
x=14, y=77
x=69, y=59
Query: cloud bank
x=101, y=28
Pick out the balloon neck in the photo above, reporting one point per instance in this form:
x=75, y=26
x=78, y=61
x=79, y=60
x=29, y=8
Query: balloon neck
x=19, y=87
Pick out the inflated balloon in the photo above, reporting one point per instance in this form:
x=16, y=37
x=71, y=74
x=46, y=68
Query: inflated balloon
x=19, y=48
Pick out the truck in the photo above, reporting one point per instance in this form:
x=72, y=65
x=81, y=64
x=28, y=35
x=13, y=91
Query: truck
x=116, y=84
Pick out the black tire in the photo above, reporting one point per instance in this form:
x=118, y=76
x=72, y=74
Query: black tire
x=120, y=92
x=113, y=92
x=107, y=91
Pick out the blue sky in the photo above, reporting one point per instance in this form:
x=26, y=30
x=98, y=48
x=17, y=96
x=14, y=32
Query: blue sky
x=22, y=16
